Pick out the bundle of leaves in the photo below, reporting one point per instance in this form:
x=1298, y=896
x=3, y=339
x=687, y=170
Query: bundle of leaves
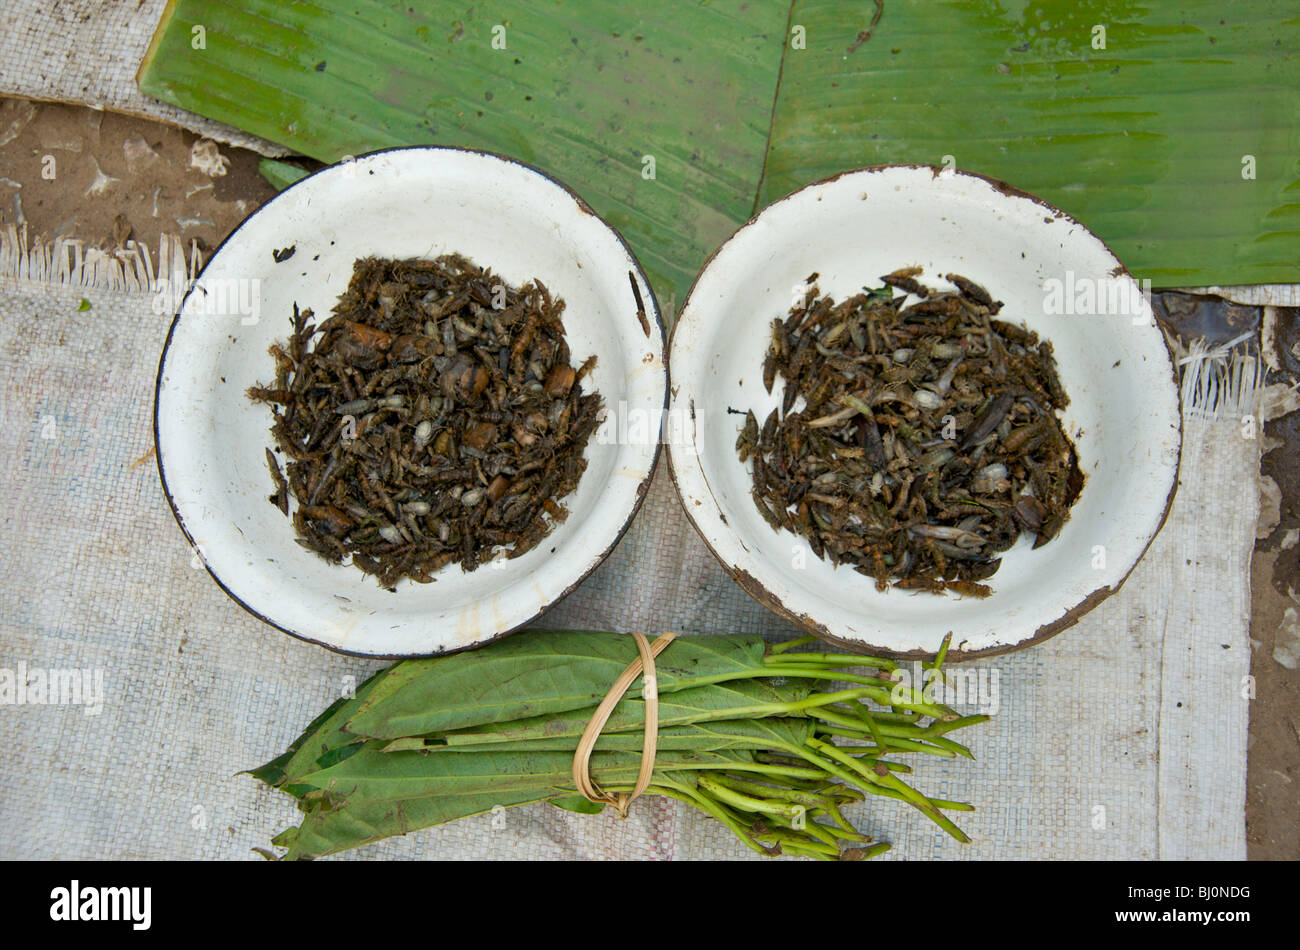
x=769, y=741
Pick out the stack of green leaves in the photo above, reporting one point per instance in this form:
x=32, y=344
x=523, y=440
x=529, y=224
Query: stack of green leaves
x=768, y=740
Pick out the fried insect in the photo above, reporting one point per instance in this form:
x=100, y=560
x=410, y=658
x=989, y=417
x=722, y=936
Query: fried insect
x=928, y=436
x=433, y=418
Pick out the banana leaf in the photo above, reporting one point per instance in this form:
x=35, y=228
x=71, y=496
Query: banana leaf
x=1177, y=141
x=1173, y=135
x=280, y=174
x=659, y=121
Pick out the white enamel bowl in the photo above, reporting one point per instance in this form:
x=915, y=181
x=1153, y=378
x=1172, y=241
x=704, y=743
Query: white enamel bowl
x=410, y=202
x=1123, y=415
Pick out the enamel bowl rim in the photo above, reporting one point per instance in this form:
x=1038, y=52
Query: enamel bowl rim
x=806, y=621
x=657, y=333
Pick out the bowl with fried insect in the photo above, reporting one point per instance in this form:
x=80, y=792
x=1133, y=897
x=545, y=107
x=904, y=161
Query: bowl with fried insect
x=917, y=401
x=380, y=414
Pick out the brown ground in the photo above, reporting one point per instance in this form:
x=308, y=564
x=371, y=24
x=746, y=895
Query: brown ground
x=156, y=189
x=160, y=192
x=1273, y=789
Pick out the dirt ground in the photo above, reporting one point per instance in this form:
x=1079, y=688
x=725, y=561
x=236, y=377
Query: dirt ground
x=1273, y=792
x=121, y=177
x=103, y=177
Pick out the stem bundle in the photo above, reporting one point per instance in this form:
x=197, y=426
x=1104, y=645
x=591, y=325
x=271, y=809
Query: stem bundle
x=770, y=742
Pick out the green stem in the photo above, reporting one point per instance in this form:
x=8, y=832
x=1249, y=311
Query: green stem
x=896, y=744
x=877, y=692
x=926, y=807
x=850, y=834
x=862, y=854
x=954, y=748
x=808, y=800
x=743, y=802
x=834, y=752
x=838, y=719
x=904, y=718
x=826, y=765
x=690, y=796
x=871, y=756
x=799, y=843
x=812, y=829
x=763, y=768
x=872, y=727
x=795, y=707
x=936, y=802
x=894, y=731
x=938, y=728
x=942, y=654
x=889, y=780
x=832, y=660
x=789, y=645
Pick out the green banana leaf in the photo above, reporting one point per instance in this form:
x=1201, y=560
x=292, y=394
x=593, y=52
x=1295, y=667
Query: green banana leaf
x=1148, y=140
x=1173, y=135
x=280, y=174
x=658, y=119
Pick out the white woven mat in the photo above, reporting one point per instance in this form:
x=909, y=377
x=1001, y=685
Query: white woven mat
x=87, y=52
x=1124, y=737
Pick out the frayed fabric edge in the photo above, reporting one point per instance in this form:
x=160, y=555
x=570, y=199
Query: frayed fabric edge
x=1220, y=381
x=71, y=262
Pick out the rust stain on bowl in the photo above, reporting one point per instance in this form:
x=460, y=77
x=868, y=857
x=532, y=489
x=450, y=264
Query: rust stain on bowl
x=753, y=586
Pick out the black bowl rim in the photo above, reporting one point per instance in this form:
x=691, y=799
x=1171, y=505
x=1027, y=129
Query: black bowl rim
x=642, y=488
x=755, y=588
